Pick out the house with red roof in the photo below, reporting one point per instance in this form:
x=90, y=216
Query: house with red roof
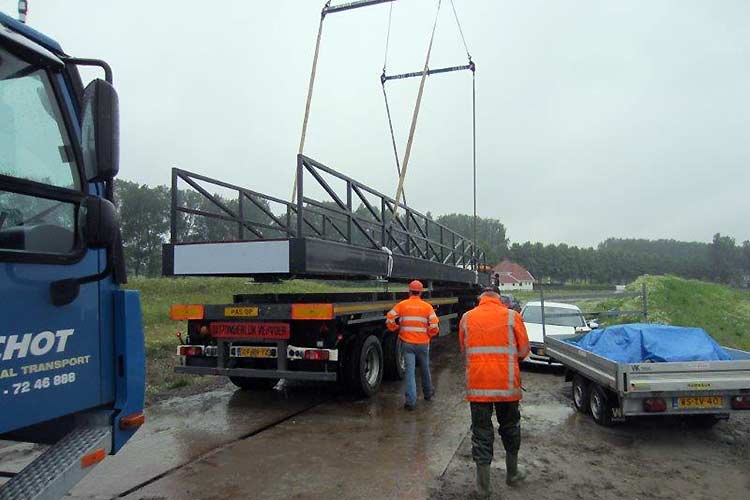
x=511, y=276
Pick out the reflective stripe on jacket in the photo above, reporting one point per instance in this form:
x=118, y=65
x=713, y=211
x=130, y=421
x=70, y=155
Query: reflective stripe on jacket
x=494, y=340
x=417, y=321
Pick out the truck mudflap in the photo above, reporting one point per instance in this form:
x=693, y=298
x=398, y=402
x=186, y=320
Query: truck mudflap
x=130, y=351
x=61, y=466
x=252, y=373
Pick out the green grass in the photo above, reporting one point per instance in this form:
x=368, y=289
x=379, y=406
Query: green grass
x=157, y=294
x=722, y=311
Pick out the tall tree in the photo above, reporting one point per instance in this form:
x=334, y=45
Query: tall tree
x=144, y=214
x=723, y=258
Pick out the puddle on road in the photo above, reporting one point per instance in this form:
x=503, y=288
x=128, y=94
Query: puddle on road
x=546, y=414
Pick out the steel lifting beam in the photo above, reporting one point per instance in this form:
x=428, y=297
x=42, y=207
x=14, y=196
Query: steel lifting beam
x=384, y=78
x=332, y=9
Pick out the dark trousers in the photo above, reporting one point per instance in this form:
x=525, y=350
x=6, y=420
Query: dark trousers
x=483, y=435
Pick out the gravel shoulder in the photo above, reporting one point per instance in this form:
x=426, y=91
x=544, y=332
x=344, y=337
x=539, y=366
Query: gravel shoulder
x=569, y=456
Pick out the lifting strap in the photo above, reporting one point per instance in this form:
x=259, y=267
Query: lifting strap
x=415, y=115
x=383, y=79
x=327, y=9
x=401, y=168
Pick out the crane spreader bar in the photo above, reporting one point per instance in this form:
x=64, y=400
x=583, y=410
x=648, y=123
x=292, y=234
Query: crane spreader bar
x=384, y=78
x=328, y=9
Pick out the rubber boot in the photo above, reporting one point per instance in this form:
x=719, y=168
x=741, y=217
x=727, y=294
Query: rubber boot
x=483, y=481
x=513, y=473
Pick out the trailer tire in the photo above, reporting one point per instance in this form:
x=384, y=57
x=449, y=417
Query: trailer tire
x=254, y=384
x=581, y=394
x=600, y=405
x=393, y=357
x=365, y=365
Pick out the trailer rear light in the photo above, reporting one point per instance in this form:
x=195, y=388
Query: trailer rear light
x=316, y=355
x=741, y=403
x=312, y=311
x=132, y=421
x=190, y=350
x=179, y=312
x=654, y=405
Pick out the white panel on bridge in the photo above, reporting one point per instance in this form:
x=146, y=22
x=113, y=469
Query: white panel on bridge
x=241, y=257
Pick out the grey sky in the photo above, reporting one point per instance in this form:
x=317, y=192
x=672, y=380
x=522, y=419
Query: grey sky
x=595, y=118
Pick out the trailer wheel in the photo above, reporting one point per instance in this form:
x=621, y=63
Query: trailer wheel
x=601, y=408
x=581, y=394
x=393, y=356
x=365, y=363
x=254, y=384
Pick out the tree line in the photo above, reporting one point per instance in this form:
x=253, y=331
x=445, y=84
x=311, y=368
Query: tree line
x=145, y=215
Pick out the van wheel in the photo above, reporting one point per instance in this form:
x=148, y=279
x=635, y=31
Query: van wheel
x=254, y=384
x=365, y=365
x=581, y=394
x=601, y=408
x=393, y=356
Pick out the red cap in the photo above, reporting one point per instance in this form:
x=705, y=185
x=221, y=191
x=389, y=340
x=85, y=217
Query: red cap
x=416, y=286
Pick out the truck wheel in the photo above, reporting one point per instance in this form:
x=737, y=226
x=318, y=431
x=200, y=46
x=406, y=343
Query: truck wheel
x=365, y=365
x=393, y=357
x=601, y=408
x=254, y=384
x=581, y=394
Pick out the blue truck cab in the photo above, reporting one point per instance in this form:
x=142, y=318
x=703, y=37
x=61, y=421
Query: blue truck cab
x=72, y=363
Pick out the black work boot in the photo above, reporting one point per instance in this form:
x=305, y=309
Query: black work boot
x=483, y=481
x=513, y=473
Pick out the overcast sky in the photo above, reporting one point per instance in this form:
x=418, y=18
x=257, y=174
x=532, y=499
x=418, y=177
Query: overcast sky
x=595, y=118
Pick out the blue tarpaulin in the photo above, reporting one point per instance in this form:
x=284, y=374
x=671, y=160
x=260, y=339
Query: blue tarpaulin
x=641, y=342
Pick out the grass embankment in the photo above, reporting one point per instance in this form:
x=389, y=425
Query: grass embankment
x=722, y=311
x=157, y=294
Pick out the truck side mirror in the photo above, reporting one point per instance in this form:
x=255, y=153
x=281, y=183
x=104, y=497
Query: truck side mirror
x=100, y=131
x=99, y=222
x=99, y=226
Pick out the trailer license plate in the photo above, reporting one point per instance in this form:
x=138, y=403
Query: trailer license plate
x=255, y=352
x=258, y=330
x=241, y=312
x=700, y=402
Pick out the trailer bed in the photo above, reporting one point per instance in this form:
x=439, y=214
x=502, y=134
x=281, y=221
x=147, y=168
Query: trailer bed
x=674, y=382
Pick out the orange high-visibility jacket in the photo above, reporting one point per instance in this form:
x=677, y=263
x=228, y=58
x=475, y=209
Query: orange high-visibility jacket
x=494, y=340
x=417, y=321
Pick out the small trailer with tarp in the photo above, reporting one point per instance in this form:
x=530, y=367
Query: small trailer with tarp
x=642, y=369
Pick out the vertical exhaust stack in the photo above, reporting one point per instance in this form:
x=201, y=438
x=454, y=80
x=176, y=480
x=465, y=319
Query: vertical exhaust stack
x=23, y=10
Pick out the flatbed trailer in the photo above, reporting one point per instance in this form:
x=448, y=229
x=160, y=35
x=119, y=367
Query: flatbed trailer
x=259, y=339
x=705, y=391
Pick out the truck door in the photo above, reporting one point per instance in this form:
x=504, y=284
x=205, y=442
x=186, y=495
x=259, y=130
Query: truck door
x=51, y=357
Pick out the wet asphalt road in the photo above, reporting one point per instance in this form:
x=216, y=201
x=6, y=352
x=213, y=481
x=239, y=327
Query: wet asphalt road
x=311, y=442
x=230, y=444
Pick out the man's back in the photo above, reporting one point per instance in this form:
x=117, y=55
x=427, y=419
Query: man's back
x=417, y=320
x=494, y=339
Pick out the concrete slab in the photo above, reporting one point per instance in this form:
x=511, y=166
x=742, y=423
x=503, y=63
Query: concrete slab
x=340, y=449
x=181, y=429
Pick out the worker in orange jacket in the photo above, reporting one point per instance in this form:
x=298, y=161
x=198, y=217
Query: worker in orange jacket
x=417, y=324
x=494, y=341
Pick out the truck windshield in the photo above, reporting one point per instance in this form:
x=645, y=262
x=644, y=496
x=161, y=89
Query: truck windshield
x=34, y=146
x=557, y=316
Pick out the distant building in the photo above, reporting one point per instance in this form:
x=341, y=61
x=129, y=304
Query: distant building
x=511, y=276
